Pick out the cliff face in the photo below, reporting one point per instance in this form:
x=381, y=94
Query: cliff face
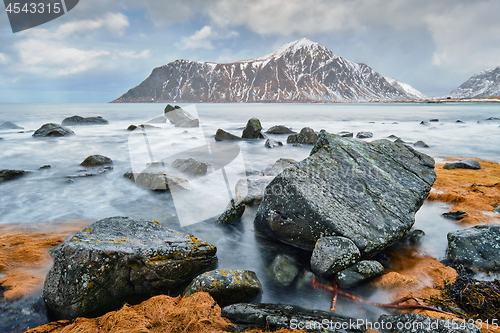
x=301, y=71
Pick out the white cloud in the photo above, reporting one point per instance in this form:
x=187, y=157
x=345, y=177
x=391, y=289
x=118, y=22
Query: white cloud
x=3, y=58
x=134, y=55
x=202, y=39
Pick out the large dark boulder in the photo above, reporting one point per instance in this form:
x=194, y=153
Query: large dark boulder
x=7, y=174
x=280, y=129
x=306, y=136
x=367, y=192
x=120, y=259
x=275, y=316
x=228, y=286
x=222, y=135
x=77, y=120
x=252, y=130
x=477, y=248
x=52, y=130
x=96, y=160
x=10, y=126
x=180, y=118
x=412, y=323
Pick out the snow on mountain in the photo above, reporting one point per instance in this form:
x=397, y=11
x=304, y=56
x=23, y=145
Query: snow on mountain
x=482, y=84
x=300, y=71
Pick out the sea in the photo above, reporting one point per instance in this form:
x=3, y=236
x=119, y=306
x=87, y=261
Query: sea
x=54, y=194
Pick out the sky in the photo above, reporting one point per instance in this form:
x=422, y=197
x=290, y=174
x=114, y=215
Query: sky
x=101, y=48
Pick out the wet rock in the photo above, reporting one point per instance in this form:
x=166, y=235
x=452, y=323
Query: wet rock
x=367, y=192
x=7, y=174
x=280, y=129
x=276, y=316
x=52, y=130
x=131, y=127
x=96, y=160
x=306, y=136
x=180, y=118
x=305, y=280
x=333, y=254
x=9, y=125
x=157, y=120
x=277, y=167
x=234, y=211
x=421, y=144
x=434, y=120
x=462, y=164
x=270, y=143
x=359, y=273
x=364, y=135
x=134, y=127
x=77, y=120
x=283, y=270
x=497, y=210
x=20, y=315
x=251, y=189
x=47, y=166
x=424, y=123
x=458, y=215
x=392, y=136
x=156, y=180
x=119, y=259
x=459, y=121
x=84, y=173
x=191, y=166
x=477, y=248
x=493, y=118
x=227, y=286
x=399, y=140
x=346, y=134
x=414, y=237
x=411, y=323
x=222, y=135
x=252, y=130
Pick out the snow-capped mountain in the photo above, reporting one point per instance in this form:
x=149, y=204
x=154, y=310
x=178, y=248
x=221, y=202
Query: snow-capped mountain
x=482, y=84
x=301, y=71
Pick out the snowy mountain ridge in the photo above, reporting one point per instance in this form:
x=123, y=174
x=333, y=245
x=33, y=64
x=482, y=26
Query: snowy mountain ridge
x=483, y=84
x=300, y=71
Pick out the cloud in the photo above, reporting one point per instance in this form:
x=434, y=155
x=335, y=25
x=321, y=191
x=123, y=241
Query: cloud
x=3, y=58
x=134, y=55
x=202, y=39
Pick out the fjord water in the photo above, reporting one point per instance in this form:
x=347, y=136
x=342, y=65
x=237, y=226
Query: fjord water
x=48, y=195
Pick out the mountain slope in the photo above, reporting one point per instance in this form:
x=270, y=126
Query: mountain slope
x=482, y=84
x=301, y=71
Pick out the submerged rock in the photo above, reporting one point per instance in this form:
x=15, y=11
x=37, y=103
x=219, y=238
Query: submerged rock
x=283, y=270
x=434, y=120
x=52, y=130
x=367, y=192
x=222, y=135
x=412, y=322
x=270, y=143
x=421, y=144
x=477, y=248
x=458, y=215
x=333, y=254
x=359, y=273
x=228, y=286
x=77, y=120
x=9, y=125
x=119, y=259
x=280, y=129
x=462, y=164
x=96, y=160
x=191, y=166
x=156, y=181
x=276, y=316
x=7, y=174
x=84, y=173
x=252, y=130
x=251, y=189
x=364, y=135
x=234, y=211
x=306, y=136
x=180, y=118
x=157, y=120
x=345, y=134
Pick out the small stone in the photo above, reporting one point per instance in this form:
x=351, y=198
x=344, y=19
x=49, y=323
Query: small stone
x=458, y=215
x=222, y=135
x=333, y=254
x=421, y=144
x=364, y=135
x=392, y=136
x=96, y=160
x=191, y=166
x=44, y=167
x=233, y=213
x=283, y=270
x=459, y=121
x=227, y=286
x=434, y=120
x=280, y=129
x=305, y=280
x=423, y=123
x=270, y=143
x=277, y=167
x=345, y=134
x=7, y=174
x=52, y=130
x=359, y=273
x=131, y=127
x=252, y=130
x=306, y=136
x=462, y=164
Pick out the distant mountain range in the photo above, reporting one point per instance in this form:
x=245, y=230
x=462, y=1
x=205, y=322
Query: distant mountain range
x=482, y=84
x=300, y=71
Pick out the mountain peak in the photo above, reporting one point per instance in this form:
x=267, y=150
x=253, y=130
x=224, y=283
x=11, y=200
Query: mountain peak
x=483, y=84
x=292, y=47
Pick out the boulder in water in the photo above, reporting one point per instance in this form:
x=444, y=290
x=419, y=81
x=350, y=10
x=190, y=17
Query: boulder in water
x=364, y=135
x=333, y=254
x=280, y=129
x=77, y=120
x=359, y=273
x=120, y=259
x=96, y=160
x=9, y=125
x=191, y=166
x=222, y=135
x=252, y=130
x=7, y=174
x=180, y=118
x=52, y=130
x=270, y=143
x=462, y=164
x=306, y=136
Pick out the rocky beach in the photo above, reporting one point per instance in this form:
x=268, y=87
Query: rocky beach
x=324, y=225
